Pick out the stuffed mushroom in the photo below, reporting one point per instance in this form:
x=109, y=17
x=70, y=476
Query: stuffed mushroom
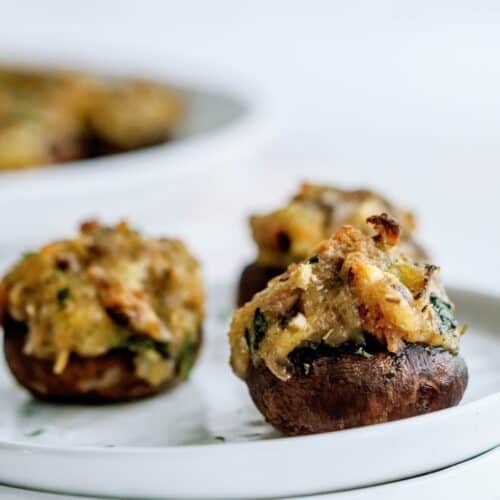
x=355, y=334
x=49, y=116
x=107, y=316
x=42, y=117
x=132, y=114
x=288, y=234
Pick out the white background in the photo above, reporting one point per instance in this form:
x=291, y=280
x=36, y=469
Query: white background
x=401, y=96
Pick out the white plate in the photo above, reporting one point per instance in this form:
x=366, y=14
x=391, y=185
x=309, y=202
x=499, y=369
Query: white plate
x=474, y=478
x=205, y=439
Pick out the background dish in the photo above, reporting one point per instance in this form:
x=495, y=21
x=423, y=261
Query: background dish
x=156, y=184
x=53, y=116
x=215, y=124
x=206, y=439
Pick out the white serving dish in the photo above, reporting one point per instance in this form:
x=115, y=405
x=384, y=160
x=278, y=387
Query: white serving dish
x=218, y=125
x=206, y=440
x=225, y=122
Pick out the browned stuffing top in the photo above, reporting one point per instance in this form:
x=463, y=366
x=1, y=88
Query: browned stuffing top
x=350, y=287
x=108, y=288
x=288, y=234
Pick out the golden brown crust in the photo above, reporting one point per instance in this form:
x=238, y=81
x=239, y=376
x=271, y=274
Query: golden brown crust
x=347, y=390
x=351, y=286
x=109, y=378
x=387, y=227
x=289, y=233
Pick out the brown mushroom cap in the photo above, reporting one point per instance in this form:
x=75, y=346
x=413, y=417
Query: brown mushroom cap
x=339, y=389
x=109, y=378
x=253, y=279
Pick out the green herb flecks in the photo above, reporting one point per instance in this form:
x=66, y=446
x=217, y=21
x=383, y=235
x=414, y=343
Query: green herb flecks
x=35, y=433
x=62, y=295
x=314, y=259
x=259, y=327
x=220, y=438
x=444, y=311
x=186, y=358
x=138, y=343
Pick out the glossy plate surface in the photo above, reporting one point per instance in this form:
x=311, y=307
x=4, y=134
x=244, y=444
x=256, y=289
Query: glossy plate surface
x=205, y=439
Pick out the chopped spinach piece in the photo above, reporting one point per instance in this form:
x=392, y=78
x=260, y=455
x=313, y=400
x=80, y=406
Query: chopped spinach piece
x=314, y=259
x=62, y=294
x=444, y=311
x=259, y=327
x=186, y=358
x=220, y=438
x=138, y=342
